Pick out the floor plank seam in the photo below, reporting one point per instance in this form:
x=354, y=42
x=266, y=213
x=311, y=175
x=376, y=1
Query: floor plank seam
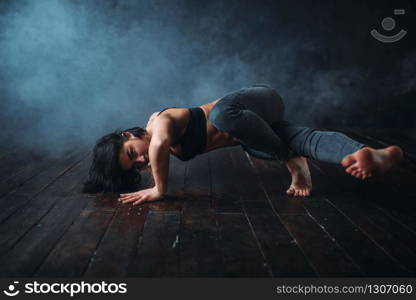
x=37, y=221
x=99, y=241
x=361, y=230
x=42, y=189
x=36, y=269
x=335, y=241
x=220, y=248
x=386, y=213
x=210, y=177
x=397, y=221
x=137, y=245
x=279, y=218
x=260, y=248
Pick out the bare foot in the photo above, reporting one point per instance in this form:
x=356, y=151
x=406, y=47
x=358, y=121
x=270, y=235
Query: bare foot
x=301, y=177
x=368, y=162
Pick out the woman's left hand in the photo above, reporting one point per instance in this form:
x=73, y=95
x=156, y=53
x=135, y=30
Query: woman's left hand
x=141, y=196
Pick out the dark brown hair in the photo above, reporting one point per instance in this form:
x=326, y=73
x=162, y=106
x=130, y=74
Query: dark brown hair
x=106, y=174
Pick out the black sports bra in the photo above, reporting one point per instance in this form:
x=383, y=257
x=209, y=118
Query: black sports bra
x=193, y=141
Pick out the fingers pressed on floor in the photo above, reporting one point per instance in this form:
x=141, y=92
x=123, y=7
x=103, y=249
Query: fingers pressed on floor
x=130, y=200
x=351, y=168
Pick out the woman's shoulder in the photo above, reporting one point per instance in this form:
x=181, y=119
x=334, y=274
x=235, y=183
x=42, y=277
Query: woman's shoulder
x=166, y=108
x=178, y=116
x=173, y=112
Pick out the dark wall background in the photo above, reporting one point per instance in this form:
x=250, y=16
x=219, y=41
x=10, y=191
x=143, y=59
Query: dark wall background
x=71, y=71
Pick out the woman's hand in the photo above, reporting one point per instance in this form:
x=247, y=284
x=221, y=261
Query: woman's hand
x=141, y=196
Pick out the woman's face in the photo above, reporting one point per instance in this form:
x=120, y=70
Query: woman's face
x=135, y=152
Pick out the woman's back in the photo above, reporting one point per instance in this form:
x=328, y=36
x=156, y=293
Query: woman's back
x=188, y=127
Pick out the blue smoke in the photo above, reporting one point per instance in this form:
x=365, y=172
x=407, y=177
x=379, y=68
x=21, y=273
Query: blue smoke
x=71, y=71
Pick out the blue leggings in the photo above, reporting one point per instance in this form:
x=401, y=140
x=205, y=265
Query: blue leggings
x=254, y=115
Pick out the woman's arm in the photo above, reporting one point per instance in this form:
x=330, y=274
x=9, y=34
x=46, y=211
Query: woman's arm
x=159, y=152
x=159, y=162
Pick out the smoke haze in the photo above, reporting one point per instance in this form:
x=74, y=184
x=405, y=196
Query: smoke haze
x=71, y=71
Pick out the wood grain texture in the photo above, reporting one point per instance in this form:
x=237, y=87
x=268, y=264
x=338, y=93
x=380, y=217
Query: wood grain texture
x=226, y=214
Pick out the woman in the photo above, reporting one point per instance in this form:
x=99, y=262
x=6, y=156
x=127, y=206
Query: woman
x=251, y=117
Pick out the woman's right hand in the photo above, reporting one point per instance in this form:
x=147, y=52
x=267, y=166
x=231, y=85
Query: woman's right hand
x=146, y=195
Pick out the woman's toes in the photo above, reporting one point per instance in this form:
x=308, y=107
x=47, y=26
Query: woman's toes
x=351, y=168
x=348, y=160
x=298, y=192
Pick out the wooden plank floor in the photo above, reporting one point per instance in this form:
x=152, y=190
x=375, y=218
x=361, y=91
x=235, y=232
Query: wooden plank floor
x=226, y=215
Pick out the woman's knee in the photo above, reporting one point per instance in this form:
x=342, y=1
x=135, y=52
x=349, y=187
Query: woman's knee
x=217, y=117
x=221, y=116
x=272, y=94
x=265, y=94
x=265, y=90
x=261, y=99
